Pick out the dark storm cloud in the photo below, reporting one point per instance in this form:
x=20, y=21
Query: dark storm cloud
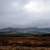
x=13, y=14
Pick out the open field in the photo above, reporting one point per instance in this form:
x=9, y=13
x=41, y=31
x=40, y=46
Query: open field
x=25, y=43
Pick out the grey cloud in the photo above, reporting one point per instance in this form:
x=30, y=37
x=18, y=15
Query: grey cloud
x=17, y=17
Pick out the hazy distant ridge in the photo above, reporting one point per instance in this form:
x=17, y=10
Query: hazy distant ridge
x=25, y=30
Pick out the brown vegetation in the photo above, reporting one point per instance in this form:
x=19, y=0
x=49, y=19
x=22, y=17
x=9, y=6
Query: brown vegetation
x=25, y=43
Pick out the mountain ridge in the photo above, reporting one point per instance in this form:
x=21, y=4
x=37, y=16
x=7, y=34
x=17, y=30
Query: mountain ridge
x=25, y=30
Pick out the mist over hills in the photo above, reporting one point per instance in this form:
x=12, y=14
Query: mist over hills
x=25, y=30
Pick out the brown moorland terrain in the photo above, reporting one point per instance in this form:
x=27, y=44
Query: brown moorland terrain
x=25, y=43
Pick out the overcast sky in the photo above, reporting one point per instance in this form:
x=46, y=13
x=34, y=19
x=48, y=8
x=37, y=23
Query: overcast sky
x=24, y=13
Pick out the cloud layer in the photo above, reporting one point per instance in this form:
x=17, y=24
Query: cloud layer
x=18, y=13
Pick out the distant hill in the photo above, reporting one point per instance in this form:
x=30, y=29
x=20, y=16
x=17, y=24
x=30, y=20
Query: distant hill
x=25, y=30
